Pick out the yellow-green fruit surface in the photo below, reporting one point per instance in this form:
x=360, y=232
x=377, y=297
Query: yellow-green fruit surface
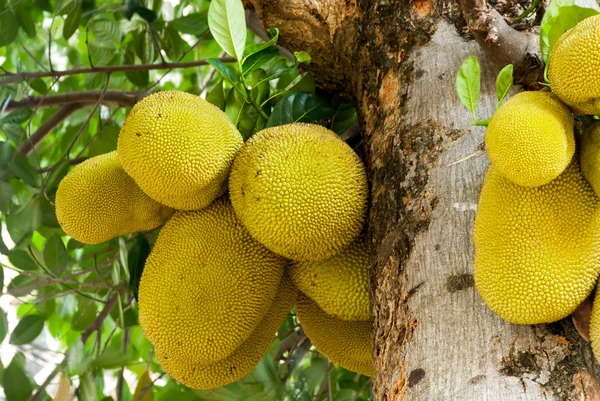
x=300, y=190
x=536, y=249
x=98, y=201
x=589, y=156
x=178, y=148
x=244, y=358
x=574, y=67
x=206, y=285
x=595, y=326
x=340, y=284
x=344, y=342
x=530, y=139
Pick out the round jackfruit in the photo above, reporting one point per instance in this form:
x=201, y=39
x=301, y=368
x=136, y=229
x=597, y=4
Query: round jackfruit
x=178, y=148
x=536, y=249
x=589, y=156
x=530, y=139
x=206, y=285
x=98, y=201
x=340, y=284
x=344, y=342
x=574, y=69
x=300, y=190
x=244, y=358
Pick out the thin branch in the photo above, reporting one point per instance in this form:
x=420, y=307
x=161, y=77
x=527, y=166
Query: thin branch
x=85, y=98
x=72, y=162
x=5, y=80
x=290, y=343
x=363, y=387
x=149, y=386
x=110, y=304
x=46, y=382
x=51, y=123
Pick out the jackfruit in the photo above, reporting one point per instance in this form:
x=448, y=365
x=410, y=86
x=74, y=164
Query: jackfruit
x=344, y=342
x=178, y=148
x=300, y=190
x=340, y=284
x=536, y=249
x=589, y=156
x=573, y=67
x=98, y=201
x=530, y=139
x=244, y=358
x=206, y=285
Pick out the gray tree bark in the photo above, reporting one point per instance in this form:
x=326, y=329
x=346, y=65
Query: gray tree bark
x=433, y=337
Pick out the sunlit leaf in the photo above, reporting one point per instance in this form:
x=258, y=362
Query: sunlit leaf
x=111, y=359
x=258, y=59
x=27, y=330
x=222, y=69
x=468, y=82
x=227, y=23
x=192, y=24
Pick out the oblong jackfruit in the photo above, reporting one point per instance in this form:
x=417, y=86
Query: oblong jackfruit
x=530, y=139
x=536, y=249
x=244, y=358
x=589, y=156
x=300, y=190
x=344, y=342
x=178, y=148
x=98, y=201
x=206, y=285
x=340, y=284
x=573, y=67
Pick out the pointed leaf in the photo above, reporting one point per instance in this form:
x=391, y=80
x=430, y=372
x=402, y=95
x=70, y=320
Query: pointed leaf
x=17, y=116
x=15, y=381
x=55, y=255
x=14, y=132
x=258, y=59
x=302, y=58
x=227, y=23
x=38, y=85
x=21, y=168
x=256, y=47
x=8, y=27
x=27, y=329
x=25, y=20
x=300, y=107
x=23, y=260
x=550, y=16
x=221, y=69
x=72, y=22
x=144, y=386
x=192, y=24
x=504, y=82
x=3, y=326
x=468, y=82
x=216, y=95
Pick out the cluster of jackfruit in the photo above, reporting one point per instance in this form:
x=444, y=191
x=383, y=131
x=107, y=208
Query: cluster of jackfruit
x=244, y=226
x=537, y=229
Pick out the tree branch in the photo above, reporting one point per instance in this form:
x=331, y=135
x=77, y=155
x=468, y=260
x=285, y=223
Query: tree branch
x=111, y=98
x=503, y=44
x=9, y=79
x=51, y=123
x=100, y=318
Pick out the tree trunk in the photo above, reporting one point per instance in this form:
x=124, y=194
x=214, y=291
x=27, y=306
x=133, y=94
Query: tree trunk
x=434, y=339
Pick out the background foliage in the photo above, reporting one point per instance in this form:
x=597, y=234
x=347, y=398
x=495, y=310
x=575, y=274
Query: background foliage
x=71, y=69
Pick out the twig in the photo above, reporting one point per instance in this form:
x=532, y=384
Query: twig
x=72, y=162
x=110, y=304
x=111, y=98
x=46, y=382
x=363, y=387
x=325, y=384
x=148, y=387
x=122, y=371
x=290, y=343
x=5, y=80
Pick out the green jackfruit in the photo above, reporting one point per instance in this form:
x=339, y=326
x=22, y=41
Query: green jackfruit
x=178, y=148
x=244, y=358
x=530, y=139
x=536, y=249
x=340, y=284
x=300, y=190
x=206, y=285
x=98, y=201
x=573, y=67
x=589, y=156
x=344, y=342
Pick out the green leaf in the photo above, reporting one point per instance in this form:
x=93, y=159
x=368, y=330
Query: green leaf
x=143, y=47
x=111, y=359
x=467, y=83
x=21, y=168
x=72, y=22
x=16, y=383
x=548, y=20
x=344, y=118
x=137, y=260
x=300, y=107
x=116, y=272
x=25, y=20
x=27, y=330
x=88, y=388
x=23, y=260
x=148, y=15
x=234, y=105
x=8, y=27
x=106, y=33
x=54, y=176
x=78, y=362
x=302, y=58
x=192, y=24
x=227, y=23
x=85, y=314
x=139, y=78
x=256, y=47
x=67, y=6
x=3, y=323
x=55, y=255
x=123, y=257
x=17, y=117
x=568, y=17
x=14, y=132
x=504, y=82
x=258, y=59
x=105, y=141
x=6, y=193
x=39, y=86
x=222, y=69
x=216, y=95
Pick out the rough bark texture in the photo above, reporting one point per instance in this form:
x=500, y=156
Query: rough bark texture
x=433, y=337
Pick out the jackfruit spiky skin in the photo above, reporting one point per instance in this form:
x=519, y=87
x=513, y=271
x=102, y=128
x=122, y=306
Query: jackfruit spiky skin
x=98, y=201
x=340, y=284
x=344, y=342
x=206, y=285
x=244, y=358
x=300, y=190
x=178, y=148
x=530, y=139
x=589, y=156
x=536, y=249
x=574, y=67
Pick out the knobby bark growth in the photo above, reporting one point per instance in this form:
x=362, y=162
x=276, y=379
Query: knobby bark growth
x=372, y=52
